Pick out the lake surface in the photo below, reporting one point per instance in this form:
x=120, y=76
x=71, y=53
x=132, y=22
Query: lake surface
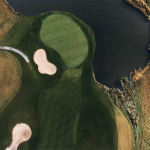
x=121, y=33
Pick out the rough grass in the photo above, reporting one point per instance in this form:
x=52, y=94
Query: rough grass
x=17, y=32
x=7, y=25
x=10, y=78
x=143, y=84
x=62, y=33
x=8, y=18
x=6, y=11
x=124, y=130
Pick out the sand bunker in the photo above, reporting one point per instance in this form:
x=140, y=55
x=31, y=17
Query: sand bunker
x=21, y=133
x=44, y=66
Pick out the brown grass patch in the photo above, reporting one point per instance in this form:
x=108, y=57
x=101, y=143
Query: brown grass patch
x=7, y=25
x=125, y=136
x=10, y=78
x=6, y=11
x=8, y=18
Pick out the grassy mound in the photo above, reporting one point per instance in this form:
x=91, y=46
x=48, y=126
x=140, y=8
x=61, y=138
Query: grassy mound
x=62, y=33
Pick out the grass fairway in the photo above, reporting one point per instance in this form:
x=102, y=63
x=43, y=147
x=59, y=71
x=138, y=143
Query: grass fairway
x=59, y=110
x=97, y=127
x=104, y=117
x=62, y=33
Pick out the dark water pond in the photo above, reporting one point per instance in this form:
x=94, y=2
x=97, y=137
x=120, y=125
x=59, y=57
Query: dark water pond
x=121, y=32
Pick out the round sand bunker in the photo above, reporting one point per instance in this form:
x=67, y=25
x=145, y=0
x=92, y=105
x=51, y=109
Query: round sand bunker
x=21, y=133
x=44, y=66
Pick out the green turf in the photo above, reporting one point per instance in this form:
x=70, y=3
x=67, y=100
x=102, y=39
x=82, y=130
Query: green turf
x=97, y=127
x=59, y=109
x=63, y=34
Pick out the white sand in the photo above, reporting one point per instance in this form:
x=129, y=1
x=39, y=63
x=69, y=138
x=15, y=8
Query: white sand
x=44, y=66
x=21, y=133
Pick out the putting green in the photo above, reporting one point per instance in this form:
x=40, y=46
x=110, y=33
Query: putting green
x=64, y=35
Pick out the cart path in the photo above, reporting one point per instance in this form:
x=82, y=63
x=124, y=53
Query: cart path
x=17, y=51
